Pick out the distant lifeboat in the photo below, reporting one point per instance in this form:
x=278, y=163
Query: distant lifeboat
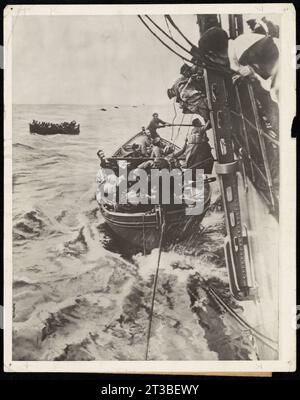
x=66, y=128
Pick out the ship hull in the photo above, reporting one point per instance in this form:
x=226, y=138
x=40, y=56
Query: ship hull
x=262, y=313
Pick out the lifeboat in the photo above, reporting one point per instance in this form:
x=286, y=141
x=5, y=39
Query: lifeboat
x=140, y=224
x=48, y=128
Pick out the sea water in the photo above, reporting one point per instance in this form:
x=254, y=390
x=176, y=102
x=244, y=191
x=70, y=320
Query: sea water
x=78, y=294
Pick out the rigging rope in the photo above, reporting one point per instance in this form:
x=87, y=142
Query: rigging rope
x=168, y=18
x=175, y=116
x=167, y=23
x=190, y=125
x=183, y=115
x=165, y=44
x=260, y=336
x=162, y=216
x=144, y=243
x=274, y=141
x=167, y=35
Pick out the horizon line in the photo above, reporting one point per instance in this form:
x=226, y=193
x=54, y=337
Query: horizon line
x=89, y=104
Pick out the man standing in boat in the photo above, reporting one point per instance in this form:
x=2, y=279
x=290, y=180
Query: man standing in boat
x=154, y=124
x=196, y=149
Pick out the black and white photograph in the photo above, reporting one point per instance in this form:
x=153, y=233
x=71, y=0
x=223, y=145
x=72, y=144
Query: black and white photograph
x=149, y=188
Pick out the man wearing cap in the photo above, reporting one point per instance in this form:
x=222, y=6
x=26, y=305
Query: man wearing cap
x=256, y=55
x=154, y=124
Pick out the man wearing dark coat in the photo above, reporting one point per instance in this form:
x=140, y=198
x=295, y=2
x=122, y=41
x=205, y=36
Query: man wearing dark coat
x=154, y=124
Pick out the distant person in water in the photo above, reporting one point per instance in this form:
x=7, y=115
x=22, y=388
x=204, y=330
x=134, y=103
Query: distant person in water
x=154, y=124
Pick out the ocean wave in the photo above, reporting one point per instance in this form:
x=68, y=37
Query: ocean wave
x=32, y=225
x=77, y=246
x=23, y=282
x=77, y=295
x=23, y=146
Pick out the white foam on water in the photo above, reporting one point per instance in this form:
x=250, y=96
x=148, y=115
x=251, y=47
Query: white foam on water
x=75, y=296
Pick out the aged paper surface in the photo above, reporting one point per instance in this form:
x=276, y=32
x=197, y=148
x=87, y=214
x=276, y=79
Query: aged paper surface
x=94, y=285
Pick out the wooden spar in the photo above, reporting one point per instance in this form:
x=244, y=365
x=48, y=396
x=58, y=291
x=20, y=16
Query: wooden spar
x=165, y=126
x=235, y=25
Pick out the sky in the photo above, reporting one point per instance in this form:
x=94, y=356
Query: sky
x=93, y=60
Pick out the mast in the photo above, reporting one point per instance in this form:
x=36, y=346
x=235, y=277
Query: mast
x=207, y=21
x=236, y=27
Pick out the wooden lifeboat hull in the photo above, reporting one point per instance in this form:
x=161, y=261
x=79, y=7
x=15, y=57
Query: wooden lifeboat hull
x=142, y=229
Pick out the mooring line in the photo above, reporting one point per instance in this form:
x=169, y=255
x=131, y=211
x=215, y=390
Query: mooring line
x=260, y=336
x=162, y=216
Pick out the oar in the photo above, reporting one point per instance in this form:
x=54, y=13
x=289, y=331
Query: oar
x=164, y=126
x=163, y=225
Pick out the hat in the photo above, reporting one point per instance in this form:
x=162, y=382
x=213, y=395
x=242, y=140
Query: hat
x=196, y=122
x=160, y=162
x=214, y=39
x=153, y=115
x=171, y=93
x=256, y=26
x=185, y=69
x=168, y=150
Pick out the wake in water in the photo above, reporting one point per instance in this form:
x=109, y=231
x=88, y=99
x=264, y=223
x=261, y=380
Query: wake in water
x=99, y=308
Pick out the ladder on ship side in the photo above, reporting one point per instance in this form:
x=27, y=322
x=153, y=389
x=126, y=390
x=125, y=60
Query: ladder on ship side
x=242, y=147
x=237, y=251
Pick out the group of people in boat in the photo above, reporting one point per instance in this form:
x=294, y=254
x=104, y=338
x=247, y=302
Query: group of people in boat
x=156, y=154
x=49, y=127
x=196, y=152
x=251, y=56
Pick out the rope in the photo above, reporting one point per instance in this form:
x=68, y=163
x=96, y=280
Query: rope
x=274, y=141
x=183, y=115
x=167, y=46
x=168, y=18
x=263, y=338
x=190, y=125
x=155, y=281
x=144, y=244
x=167, y=23
x=167, y=35
x=173, y=120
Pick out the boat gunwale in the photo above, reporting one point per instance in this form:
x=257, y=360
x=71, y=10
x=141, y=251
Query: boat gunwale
x=169, y=143
x=152, y=213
